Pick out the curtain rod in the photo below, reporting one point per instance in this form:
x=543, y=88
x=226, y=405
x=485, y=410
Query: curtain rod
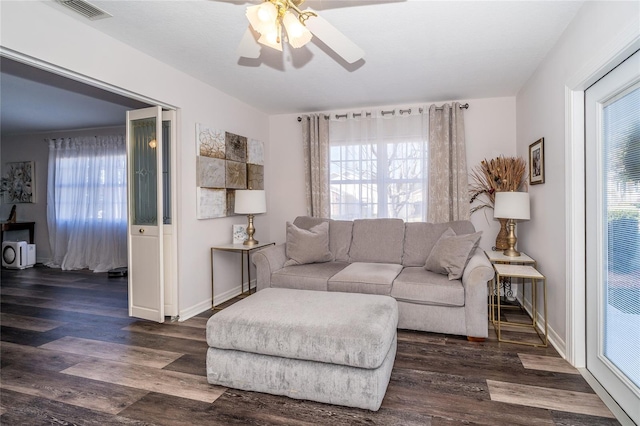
x=392, y=112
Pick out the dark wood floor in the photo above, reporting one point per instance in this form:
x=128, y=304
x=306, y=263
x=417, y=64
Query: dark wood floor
x=69, y=354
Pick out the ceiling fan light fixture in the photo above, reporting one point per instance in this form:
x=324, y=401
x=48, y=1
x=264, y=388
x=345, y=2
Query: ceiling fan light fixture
x=262, y=17
x=297, y=33
x=267, y=12
x=272, y=39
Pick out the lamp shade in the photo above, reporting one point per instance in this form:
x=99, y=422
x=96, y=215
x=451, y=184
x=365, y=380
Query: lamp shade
x=250, y=201
x=511, y=205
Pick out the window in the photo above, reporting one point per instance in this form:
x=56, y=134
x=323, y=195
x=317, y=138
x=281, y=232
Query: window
x=378, y=167
x=87, y=202
x=97, y=186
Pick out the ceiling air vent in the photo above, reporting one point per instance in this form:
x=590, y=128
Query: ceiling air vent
x=85, y=9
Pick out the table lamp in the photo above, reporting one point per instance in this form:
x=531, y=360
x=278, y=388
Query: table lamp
x=513, y=206
x=250, y=202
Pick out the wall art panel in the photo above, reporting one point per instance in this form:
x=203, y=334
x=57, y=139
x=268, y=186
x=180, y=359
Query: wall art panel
x=212, y=203
x=255, y=152
x=211, y=172
x=225, y=162
x=255, y=176
x=210, y=142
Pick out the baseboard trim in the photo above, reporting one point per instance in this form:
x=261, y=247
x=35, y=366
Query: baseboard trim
x=200, y=307
x=194, y=310
x=554, y=339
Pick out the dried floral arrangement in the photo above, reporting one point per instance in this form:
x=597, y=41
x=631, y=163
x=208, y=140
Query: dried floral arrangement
x=497, y=175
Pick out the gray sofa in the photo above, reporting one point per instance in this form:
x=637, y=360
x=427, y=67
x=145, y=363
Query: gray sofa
x=387, y=256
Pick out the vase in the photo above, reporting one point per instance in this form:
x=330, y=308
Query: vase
x=503, y=234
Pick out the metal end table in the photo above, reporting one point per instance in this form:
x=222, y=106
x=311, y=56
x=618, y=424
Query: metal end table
x=243, y=250
x=529, y=275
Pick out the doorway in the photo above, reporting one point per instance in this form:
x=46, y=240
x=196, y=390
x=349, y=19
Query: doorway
x=612, y=152
x=41, y=92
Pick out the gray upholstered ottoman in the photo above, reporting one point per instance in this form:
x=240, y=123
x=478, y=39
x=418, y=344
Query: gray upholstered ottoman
x=330, y=347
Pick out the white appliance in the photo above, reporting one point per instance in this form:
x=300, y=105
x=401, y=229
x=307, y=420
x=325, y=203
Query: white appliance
x=18, y=254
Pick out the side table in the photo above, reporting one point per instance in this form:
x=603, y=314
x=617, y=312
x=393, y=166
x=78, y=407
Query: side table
x=528, y=274
x=243, y=250
x=498, y=256
x=17, y=226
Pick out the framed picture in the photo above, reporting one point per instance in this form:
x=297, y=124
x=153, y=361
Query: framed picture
x=536, y=162
x=18, y=183
x=239, y=233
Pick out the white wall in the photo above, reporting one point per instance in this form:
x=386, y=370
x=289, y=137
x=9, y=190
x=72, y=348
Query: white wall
x=38, y=30
x=32, y=147
x=541, y=112
x=490, y=129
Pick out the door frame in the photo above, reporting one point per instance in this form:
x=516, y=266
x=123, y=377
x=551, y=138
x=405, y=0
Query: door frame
x=176, y=153
x=621, y=47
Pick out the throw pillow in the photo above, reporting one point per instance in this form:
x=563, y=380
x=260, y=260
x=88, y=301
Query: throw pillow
x=451, y=253
x=307, y=246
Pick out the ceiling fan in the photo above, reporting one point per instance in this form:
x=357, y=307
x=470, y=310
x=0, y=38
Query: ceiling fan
x=273, y=19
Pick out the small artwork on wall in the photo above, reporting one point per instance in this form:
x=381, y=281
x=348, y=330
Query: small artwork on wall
x=225, y=162
x=18, y=183
x=536, y=162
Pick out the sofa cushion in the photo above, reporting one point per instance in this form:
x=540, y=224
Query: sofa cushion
x=451, y=253
x=312, y=276
x=307, y=246
x=377, y=241
x=348, y=329
x=308, y=222
x=370, y=278
x=420, y=237
x=339, y=234
x=417, y=285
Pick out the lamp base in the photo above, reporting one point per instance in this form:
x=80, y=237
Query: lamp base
x=250, y=241
x=511, y=252
x=511, y=240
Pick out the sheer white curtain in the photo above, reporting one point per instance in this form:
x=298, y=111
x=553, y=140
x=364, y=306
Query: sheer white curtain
x=378, y=165
x=87, y=203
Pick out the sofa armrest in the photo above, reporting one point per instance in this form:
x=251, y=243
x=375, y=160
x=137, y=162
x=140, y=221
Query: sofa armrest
x=474, y=279
x=268, y=261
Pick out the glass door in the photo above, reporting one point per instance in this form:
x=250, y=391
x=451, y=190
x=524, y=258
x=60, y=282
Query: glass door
x=612, y=118
x=146, y=251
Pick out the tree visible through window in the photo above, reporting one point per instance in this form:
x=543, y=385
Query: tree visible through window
x=378, y=168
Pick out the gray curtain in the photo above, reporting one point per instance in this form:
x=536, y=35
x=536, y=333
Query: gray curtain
x=448, y=184
x=315, y=139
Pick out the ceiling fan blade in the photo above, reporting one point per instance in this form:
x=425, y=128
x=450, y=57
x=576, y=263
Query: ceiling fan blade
x=334, y=39
x=249, y=47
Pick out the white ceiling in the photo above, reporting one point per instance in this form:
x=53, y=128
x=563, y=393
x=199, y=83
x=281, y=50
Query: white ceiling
x=416, y=51
x=33, y=101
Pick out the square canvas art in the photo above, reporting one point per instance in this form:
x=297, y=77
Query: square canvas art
x=212, y=203
x=225, y=162
x=210, y=142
